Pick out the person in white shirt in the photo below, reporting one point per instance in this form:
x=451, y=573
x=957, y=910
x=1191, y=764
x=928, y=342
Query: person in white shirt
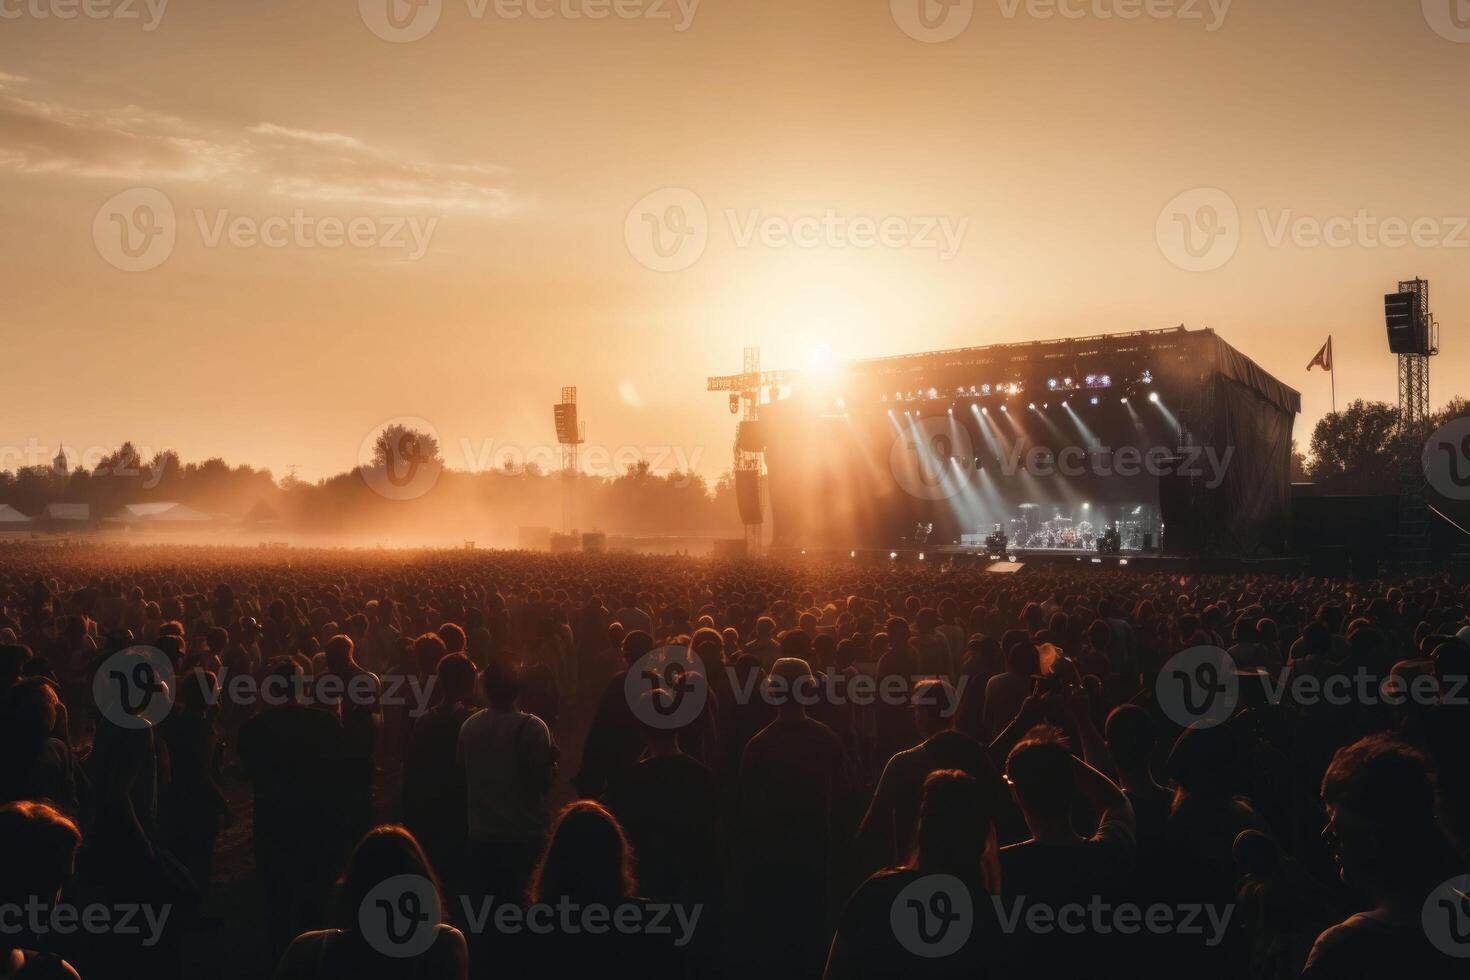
x=508, y=758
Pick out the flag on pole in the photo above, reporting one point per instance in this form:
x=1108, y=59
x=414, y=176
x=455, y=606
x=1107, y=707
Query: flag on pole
x=1323, y=359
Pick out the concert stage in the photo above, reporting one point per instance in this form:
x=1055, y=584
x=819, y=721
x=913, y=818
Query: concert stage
x=1170, y=439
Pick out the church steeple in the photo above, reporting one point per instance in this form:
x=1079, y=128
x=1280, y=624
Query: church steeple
x=58, y=465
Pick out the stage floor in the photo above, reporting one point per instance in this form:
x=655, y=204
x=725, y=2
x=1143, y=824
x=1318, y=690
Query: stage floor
x=1140, y=561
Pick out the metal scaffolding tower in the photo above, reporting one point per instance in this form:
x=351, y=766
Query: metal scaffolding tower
x=1413, y=537
x=747, y=390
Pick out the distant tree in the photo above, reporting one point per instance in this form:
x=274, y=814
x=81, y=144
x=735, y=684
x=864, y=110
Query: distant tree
x=1299, y=472
x=1456, y=408
x=1357, y=450
x=398, y=443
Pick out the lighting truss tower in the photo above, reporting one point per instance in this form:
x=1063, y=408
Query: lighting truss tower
x=1413, y=550
x=747, y=390
x=1414, y=367
x=570, y=433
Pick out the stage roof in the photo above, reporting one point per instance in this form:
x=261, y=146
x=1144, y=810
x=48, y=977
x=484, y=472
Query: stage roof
x=1196, y=351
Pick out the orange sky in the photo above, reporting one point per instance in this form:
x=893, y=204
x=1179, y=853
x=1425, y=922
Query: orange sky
x=1047, y=144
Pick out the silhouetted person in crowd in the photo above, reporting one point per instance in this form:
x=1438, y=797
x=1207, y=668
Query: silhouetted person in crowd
x=38, y=847
x=792, y=778
x=434, y=805
x=293, y=756
x=192, y=806
x=507, y=758
x=391, y=912
x=1058, y=865
x=588, y=868
x=888, y=826
x=615, y=739
x=1382, y=826
x=897, y=923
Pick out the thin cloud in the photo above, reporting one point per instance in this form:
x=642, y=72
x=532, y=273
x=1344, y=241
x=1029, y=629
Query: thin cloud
x=308, y=136
x=137, y=144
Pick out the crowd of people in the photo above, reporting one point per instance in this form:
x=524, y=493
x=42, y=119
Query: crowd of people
x=505, y=764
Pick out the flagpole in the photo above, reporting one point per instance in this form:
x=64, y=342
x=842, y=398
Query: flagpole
x=1332, y=373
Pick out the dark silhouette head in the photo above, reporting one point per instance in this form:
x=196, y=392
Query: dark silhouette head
x=587, y=859
x=384, y=852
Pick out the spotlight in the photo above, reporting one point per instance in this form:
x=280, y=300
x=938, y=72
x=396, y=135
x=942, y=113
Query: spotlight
x=852, y=554
x=1124, y=400
x=1122, y=561
x=1032, y=406
x=951, y=411
x=1067, y=382
x=1051, y=383
x=1045, y=405
x=921, y=556
x=984, y=410
x=893, y=555
x=1003, y=408
x=1094, y=399
x=1153, y=396
x=1087, y=506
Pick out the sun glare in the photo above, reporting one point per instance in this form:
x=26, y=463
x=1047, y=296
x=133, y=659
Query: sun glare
x=821, y=362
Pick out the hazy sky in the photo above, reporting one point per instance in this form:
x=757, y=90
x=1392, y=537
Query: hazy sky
x=495, y=237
